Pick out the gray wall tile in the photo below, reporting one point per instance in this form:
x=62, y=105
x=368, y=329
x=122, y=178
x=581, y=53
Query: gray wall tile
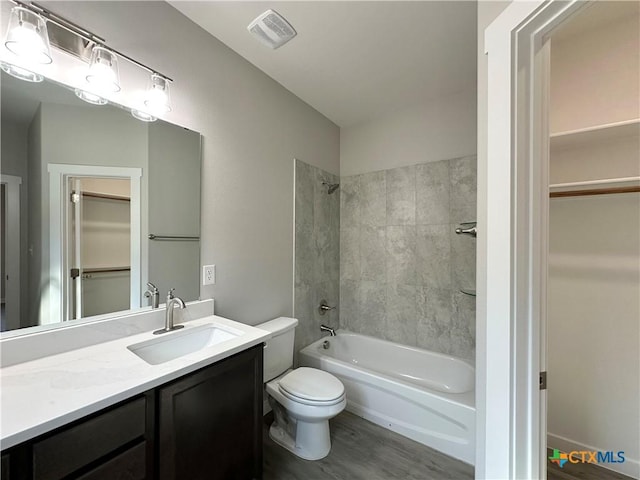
x=349, y=253
x=317, y=252
x=433, y=256
x=463, y=177
x=349, y=302
x=350, y=201
x=401, y=254
x=463, y=260
x=372, y=309
x=401, y=196
x=373, y=199
x=372, y=253
x=305, y=178
x=401, y=318
x=432, y=193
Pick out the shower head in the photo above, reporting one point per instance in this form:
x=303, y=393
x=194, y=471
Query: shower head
x=331, y=187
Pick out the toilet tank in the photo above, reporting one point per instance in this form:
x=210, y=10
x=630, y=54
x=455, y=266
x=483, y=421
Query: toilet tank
x=278, y=351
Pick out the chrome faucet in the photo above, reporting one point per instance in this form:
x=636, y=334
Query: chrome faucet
x=154, y=294
x=324, y=328
x=171, y=304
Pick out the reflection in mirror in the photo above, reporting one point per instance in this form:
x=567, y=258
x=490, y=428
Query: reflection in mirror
x=95, y=204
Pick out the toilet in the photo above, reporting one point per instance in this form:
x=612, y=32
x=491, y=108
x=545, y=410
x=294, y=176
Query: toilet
x=303, y=399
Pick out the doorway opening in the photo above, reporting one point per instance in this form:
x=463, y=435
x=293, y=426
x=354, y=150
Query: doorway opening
x=99, y=245
x=94, y=217
x=593, y=280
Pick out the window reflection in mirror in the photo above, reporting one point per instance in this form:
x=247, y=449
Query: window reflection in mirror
x=83, y=189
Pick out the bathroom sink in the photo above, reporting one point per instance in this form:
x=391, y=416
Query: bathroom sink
x=171, y=345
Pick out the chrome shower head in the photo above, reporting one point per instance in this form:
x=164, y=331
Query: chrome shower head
x=331, y=187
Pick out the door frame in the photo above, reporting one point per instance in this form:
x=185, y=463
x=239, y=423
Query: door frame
x=58, y=251
x=512, y=246
x=12, y=249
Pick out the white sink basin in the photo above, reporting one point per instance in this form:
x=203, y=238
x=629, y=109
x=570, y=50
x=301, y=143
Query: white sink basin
x=171, y=345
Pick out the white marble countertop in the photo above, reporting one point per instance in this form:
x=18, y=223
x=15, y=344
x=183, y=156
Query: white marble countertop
x=43, y=394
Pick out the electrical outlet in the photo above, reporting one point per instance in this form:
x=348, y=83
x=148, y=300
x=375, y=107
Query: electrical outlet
x=208, y=275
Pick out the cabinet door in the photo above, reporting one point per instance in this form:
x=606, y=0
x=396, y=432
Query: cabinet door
x=210, y=422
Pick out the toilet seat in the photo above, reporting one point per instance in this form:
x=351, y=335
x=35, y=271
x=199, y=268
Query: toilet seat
x=311, y=386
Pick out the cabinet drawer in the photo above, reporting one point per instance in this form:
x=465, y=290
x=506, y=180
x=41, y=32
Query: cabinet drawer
x=129, y=465
x=65, y=452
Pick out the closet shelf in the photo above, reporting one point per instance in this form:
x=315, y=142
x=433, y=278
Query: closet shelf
x=595, y=187
x=590, y=135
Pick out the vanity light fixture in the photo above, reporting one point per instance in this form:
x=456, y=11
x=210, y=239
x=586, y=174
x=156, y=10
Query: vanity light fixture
x=143, y=116
x=27, y=38
x=157, y=98
x=33, y=28
x=103, y=71
x=89, y=97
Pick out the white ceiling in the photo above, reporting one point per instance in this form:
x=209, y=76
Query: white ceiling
x=353, y=60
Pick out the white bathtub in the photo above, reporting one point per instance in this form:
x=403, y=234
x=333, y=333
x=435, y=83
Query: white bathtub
x=426, y=396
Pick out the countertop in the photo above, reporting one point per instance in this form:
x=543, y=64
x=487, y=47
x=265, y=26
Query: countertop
x=43, y=394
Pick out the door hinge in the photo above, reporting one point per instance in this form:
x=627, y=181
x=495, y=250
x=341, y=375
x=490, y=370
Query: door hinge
x=75, y=197
x=543, y=380
x=75, y=272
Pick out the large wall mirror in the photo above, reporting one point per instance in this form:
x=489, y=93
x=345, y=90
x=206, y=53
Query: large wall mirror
x=95, y=204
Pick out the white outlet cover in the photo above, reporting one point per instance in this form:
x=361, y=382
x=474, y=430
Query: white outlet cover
x=208, y=274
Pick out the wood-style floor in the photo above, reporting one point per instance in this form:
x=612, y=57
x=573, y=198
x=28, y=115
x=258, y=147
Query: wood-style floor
x=363, y=451
x=581, y=471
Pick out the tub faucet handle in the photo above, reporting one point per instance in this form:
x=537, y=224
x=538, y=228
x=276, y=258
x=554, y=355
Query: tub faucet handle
x=324, y=307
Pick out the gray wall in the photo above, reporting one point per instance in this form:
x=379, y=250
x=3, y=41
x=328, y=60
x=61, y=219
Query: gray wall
x=252, y=129
x=401, y=264
x=317, y=252
x=174, y=165
x=13, y=156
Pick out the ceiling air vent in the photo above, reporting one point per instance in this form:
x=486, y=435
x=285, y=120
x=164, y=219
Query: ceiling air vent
x=272, y=29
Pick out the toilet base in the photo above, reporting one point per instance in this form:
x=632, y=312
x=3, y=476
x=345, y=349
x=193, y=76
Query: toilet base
x=312, y=441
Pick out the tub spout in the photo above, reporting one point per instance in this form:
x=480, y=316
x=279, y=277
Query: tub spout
x=324, y=328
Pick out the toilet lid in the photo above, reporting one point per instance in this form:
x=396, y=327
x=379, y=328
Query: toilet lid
x=312, y=384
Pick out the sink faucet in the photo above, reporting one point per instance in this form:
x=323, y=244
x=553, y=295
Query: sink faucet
x=172, y=302
x=324, y=328
x=154, y=294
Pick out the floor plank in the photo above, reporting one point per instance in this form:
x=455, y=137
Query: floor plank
x=362, y=450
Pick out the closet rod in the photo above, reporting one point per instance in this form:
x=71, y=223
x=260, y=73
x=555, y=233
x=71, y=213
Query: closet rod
x=105, y=196
x=594, y=191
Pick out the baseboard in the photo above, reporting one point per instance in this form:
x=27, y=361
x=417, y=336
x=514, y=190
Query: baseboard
x=630, y=467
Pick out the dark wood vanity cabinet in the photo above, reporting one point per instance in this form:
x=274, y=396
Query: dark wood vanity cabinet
x=210, y=422
x=205, y=425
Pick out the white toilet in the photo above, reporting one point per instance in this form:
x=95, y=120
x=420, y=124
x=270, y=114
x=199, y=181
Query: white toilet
x=303, y=400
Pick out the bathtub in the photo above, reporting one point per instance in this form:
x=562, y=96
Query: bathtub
x=423, y=395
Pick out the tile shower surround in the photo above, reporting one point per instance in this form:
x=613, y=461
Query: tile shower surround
x=387, y=239
x=401, y=263
x=317, y=252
